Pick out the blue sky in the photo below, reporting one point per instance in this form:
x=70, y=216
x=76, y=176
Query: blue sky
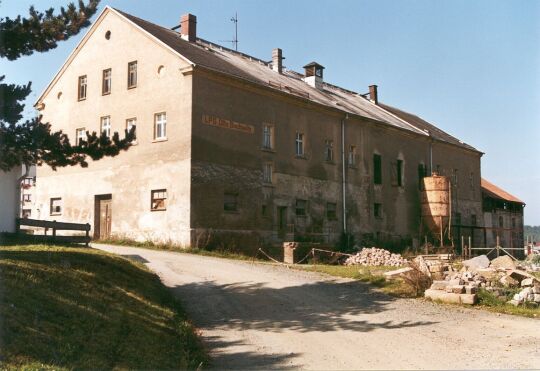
x=471, y=67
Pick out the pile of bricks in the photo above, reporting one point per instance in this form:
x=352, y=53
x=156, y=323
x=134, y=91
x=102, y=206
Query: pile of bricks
x=376, y=257
x=529, y=294
x=457, y=287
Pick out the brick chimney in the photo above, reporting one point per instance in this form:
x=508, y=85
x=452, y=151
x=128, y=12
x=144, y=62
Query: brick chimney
x=188, y=29
x=373, y=94
x=277, y=60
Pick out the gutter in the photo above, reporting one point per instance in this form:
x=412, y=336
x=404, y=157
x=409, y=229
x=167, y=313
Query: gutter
x=343, y=178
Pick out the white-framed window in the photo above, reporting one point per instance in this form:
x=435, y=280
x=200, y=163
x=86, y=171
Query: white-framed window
x=80, y=135
x=106, y=125
x=160, y=125
x=351, y=159
x=82, y=87
x=132, y=123
x=268, y=169
x=107, y=82
x=329, y=150
x=132, y=74
x=268, y=137
x=56, y=206
x=27, y=197
x=158, y=200
x=299, y=144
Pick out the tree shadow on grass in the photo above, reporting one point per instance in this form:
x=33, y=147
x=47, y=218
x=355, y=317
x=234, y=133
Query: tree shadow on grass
x=78, y=308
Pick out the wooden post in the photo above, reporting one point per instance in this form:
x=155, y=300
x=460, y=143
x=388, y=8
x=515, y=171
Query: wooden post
x=442, y=232
x=87, y=234
x=54, y=231
x=17, y=225
x=425, y=245
x=497, y=245
x=463, y=247
x=470, y=246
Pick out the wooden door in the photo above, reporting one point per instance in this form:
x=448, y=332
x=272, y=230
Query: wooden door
x=282, y=220
x=103, y=217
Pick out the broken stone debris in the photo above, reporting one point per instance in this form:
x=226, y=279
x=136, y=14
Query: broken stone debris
x=504, y=262
x=376, y=257
x=478, y=262
x=530, y=294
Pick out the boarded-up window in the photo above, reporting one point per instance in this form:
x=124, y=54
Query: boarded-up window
x=501, y=222
x=352, y=156
x=230, y=202
x=377, y=210
x=473, y=220
x=301, y=207
x=377, y=169
x=56, y=206
x=267, y=172
x=329, y=150
x=331, y=211
x=268, y=137
x=158, y=200
x=399, y=170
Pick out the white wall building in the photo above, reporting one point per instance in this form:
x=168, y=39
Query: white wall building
x=9, y=199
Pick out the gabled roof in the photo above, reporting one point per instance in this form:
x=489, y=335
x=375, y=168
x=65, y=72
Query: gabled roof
x=229, y=62
x=493, y=191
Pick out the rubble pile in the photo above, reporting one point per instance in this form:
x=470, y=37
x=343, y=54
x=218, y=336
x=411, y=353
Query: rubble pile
x=457, y=288
x=496, y=276
x=376, y=257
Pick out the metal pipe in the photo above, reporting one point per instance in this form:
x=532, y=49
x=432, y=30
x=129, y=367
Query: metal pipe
x=343, y=179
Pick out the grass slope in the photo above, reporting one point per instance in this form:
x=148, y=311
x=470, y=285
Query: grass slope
x=66, y=308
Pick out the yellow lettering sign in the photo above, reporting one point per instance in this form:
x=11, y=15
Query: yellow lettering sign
x=227, y=124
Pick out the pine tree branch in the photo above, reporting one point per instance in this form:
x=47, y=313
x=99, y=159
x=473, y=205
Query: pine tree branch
x=41, y=31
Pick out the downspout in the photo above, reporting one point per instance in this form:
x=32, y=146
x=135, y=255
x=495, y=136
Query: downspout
x=431, y=157
x=343, y=178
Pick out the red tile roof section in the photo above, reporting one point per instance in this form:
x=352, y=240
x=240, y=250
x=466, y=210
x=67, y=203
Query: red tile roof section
x=493, y=191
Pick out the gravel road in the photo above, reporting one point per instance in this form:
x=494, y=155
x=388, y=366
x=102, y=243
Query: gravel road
x=254, y=315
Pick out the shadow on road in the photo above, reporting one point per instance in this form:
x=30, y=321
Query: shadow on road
x=322, y=306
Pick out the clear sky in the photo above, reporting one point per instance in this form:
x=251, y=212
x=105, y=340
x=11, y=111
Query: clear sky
x=470, y=67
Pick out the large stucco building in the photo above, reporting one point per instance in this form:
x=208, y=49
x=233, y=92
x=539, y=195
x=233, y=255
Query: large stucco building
x=234, y=146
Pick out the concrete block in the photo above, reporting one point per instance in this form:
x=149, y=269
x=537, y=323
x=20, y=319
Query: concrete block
x=458, y=289
x=439, y=285
x=457, y=281
x=527, y=282
x=471, y=290
x=508, y=281
x=469, y=299
x=504, y=262
x=515, y=303
x=477, y=262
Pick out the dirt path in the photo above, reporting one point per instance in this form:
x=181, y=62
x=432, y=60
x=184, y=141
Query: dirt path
x=264, y=316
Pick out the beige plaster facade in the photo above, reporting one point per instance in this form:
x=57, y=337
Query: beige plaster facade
x=214, y=153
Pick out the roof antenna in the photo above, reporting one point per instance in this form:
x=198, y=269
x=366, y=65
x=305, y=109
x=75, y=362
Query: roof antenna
x=235, y=40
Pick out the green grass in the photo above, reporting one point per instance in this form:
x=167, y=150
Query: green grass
x=79, y=308
x=488, y=301
x=173, y=247
x=371, y=275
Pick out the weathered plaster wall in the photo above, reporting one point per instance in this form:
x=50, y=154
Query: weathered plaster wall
x=9, y=199
x=226, y=160
x=148, y=165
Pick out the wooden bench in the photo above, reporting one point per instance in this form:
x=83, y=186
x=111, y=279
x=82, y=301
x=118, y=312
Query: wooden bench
x=55, y=226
